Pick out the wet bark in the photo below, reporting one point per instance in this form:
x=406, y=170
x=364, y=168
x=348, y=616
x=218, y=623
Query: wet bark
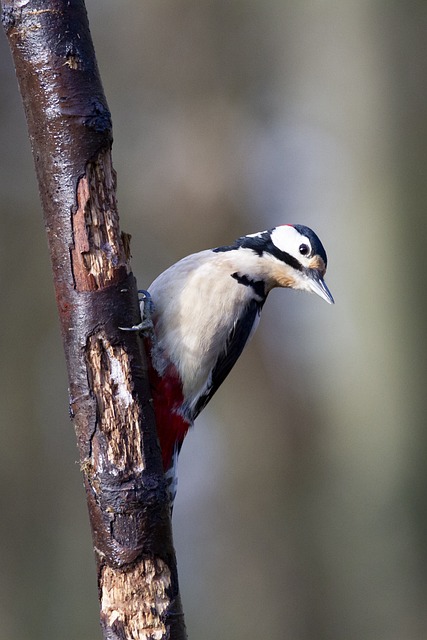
x=70, y=131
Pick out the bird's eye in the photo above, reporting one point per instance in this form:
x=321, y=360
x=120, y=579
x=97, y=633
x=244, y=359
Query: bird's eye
x=304, y=249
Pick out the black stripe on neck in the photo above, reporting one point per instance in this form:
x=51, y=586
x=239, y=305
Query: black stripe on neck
x=257, y=285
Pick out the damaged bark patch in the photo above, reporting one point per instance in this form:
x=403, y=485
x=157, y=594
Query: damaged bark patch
x=69, y=127
x=98, y=256
x=118, y=436
x=134, y=602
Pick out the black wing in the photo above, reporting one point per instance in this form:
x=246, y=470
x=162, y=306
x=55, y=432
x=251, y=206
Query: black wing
x=234, y=347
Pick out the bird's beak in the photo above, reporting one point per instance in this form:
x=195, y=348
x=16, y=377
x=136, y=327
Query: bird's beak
x=317, y=285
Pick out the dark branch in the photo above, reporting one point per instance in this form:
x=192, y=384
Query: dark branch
x=70, y=131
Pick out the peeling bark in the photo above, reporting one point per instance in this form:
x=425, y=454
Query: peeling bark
x=119, y=417
x=138, y=613
x=98, y=257
x=70, y=132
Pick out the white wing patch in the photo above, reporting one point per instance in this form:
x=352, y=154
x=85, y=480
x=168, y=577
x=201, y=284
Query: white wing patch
x=258, y=234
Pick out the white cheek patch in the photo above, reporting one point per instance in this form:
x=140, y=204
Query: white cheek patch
x=288, y=239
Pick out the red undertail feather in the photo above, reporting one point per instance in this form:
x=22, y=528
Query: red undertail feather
x=167, y=400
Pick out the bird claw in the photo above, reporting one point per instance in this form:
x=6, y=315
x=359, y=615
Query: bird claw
x=146, y=303
x=147, y=307
x=144, y=326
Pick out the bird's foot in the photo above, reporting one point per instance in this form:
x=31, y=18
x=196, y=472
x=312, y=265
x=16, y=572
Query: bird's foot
x=146, y=306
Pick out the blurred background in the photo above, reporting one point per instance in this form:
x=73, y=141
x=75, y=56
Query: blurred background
x=302, y=505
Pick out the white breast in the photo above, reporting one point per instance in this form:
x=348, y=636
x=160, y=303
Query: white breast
x=196, y=303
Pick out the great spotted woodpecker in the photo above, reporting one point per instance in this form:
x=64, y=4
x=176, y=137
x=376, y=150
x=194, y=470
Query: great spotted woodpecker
x=204, y=309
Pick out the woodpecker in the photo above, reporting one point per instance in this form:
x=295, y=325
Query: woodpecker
x=202, y=312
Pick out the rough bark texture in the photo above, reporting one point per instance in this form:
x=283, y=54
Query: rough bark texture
x=70, y=131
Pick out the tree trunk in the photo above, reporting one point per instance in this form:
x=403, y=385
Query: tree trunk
x=70, y=131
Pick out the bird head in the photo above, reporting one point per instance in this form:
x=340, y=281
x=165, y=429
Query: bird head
x=290, y=255
x=303, y=251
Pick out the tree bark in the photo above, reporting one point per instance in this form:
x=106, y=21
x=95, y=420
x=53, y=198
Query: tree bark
x=70, y=131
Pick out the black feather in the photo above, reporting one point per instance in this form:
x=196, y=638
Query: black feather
x=261, y=244
x=257, y=286
x=235, y=344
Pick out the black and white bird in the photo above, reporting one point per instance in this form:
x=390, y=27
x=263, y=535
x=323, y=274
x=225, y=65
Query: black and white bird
x=204, y=310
